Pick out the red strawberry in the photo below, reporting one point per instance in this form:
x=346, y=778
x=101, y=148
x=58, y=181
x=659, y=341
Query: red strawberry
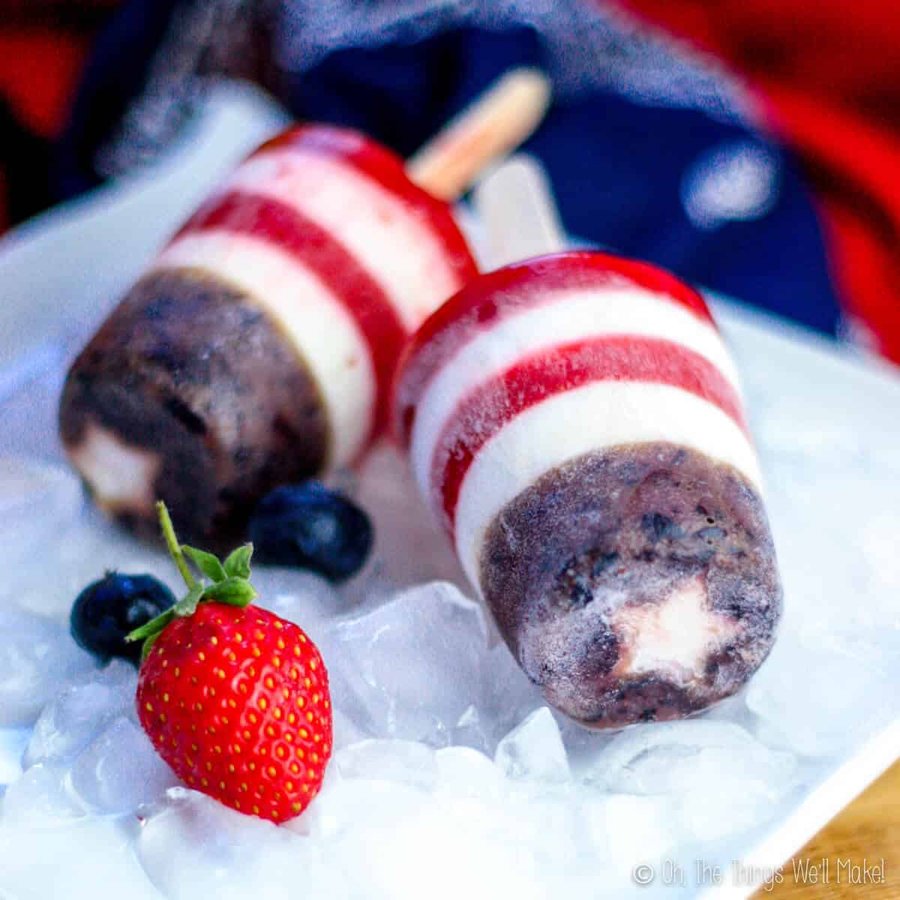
x=234, y=698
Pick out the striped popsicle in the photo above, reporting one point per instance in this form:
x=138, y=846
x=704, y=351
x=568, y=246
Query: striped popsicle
x=260, y=345
x=576, y=423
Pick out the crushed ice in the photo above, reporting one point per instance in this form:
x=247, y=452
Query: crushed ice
x=450, y=776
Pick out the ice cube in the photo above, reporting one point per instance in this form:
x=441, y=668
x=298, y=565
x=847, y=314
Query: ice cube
x=300, y=597
x=831, y=466
x=120, y=770
x=818, y=700
x=79, y=859
x=82, y=552
x=627, y=830
x=36, y=500
x=541, y=820
x=582, y=745
x=344, y=730
x=464, y=772
x=37, y=657
x=507, y=696
x=41, y=797
x=411, y=667
x=395, y=842
x=407, y=762
x=13, y=742
x=473, y=730
x=723, y=779
x=534, y=750
x=80, y=711
x=192, y=846
x=421, y=856
x=350, y=806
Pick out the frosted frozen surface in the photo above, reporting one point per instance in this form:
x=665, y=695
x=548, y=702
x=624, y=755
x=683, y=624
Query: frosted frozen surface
x=450, y=777
x=426, y=665
x=37, y=657
x=78, y=711
x=534, y=750
x=119, y=771
x=444, y=751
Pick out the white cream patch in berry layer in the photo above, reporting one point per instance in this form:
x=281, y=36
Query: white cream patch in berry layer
x=396, y=247
x=565, y=317
x=313, y=319
x=566, y=426
x=121, y=476
x=673, y=638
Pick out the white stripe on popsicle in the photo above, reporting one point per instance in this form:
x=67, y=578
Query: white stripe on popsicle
x=314, y=320
x=565, y=317
x=569, y=425
x=396, y=247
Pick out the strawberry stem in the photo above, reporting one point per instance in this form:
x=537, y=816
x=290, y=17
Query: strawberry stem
x=230, y=581
x=174, y=548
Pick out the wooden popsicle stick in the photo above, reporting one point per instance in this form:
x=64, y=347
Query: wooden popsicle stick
x=515, y=204
x=491, y=127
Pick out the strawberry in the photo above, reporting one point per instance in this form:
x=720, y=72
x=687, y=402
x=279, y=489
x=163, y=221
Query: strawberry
x=234, y=698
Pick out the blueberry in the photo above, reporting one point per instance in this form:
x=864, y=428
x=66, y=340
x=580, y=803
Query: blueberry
x=310, y=527
x=107, y=610
x=658, y=527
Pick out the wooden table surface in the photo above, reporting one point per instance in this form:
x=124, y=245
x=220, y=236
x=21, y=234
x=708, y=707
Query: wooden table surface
x=868, y=829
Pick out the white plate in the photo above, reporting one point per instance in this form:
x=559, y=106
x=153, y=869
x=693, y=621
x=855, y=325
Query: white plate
x=827, y=425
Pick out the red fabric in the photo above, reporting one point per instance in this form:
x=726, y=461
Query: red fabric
x=828, y=75
x=39, y=69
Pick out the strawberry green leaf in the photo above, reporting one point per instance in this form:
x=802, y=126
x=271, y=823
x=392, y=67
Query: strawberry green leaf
x=148, y=645
x=233, y=591
x=172, y=545
x=230, y=582
x=187, y=605
x=154, y=626
x=238, y=561
x=208, y=564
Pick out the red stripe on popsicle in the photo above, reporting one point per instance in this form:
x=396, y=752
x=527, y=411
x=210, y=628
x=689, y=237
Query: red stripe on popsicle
x=486, y=409
x=386, y=169
x=314, y=247
x=500, y=294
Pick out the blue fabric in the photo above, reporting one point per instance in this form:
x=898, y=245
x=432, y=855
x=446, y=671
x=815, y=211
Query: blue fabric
x=620, y=170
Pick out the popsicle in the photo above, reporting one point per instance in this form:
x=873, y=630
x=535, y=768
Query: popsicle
x=576, y=422
x=259, y=346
